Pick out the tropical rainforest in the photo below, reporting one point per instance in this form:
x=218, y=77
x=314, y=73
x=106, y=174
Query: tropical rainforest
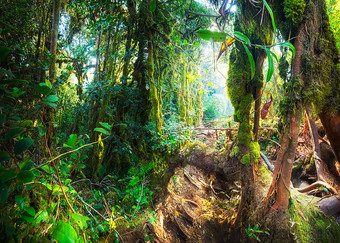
x=169, y=121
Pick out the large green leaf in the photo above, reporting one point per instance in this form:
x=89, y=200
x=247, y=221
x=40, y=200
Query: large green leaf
x=208, y=35
x=29, y=214
x=3, y=193
x=26, y=164
x=20, y=201
x=102, y=130
x=270, y=66
x=48, y=83
x=7, y=174
x=42, y=130
x=30, y=211
x=4, y=156
x=72, y=140
x=13, y=133
x=271, y=14
x=41, y=216
x=28, y=218
x=65, y=233
x=26, y=176
x=49, y=104
x=105, y=125
x=290, y=46
x=22, y=145
x=204, y=34
x=251, y=61
x=271, y=53
x=80, y=220
x=242, y=37
x=42, y=88
x=51, y=98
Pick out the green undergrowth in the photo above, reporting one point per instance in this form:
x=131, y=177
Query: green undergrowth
x=308, y=223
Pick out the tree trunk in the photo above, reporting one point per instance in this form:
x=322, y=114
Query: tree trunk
x=54, y=38
x=280, y=186
x=182, y=109
x=52, y=69
x=258, y=92
x=153, y=90
x=284, y=163
x=331, y=123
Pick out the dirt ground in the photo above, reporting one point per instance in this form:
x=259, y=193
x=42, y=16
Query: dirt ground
x=200, y=205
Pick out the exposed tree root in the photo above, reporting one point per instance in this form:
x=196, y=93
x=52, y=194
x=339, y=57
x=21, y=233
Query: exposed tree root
x=325, y=178
x=268, y=164
x=316, y=185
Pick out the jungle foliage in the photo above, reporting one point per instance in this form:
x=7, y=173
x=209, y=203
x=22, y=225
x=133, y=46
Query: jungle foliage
x=97, y=96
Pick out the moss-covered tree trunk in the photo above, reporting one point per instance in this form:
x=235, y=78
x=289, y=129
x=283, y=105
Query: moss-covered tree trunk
x=52, y=70
x=242, y=89
x=242, y=99
x=54, y=38
x=314, y=67
x=157, y=110
x=257, y=92
x=182, y=109
x=292, y=109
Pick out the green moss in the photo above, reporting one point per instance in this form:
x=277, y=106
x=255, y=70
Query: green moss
x=153, y=91
x=320, y=63
x=234, y=152
x=312, y=226
x=310, y=163
x=283, y=67
x=255, y=150
x=298, y=164
x=241, y=88
x=294, y=10
x=244, y=107
x=182, y=106
x=291, y=99
x=244, y=135
x=246, y=159
x=265, y=175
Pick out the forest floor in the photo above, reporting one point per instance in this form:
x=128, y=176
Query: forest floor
x=200, y=206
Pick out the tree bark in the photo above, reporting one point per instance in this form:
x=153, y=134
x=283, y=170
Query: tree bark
x=52, y=70
x=284, y=163
x=331, y=123
x=54, y=38
x=153, y=89
x=285, y=159
x=258, y=93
